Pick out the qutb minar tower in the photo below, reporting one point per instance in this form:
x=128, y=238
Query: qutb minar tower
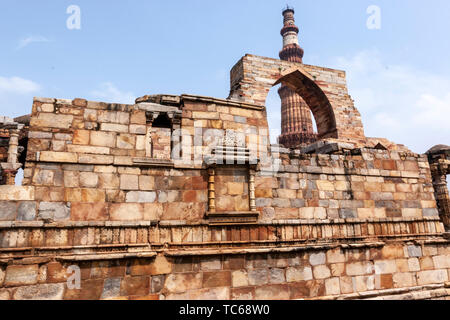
x=296, y=124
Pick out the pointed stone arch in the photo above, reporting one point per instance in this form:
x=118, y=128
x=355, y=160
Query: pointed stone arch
x=323, y=89
x=303, y=84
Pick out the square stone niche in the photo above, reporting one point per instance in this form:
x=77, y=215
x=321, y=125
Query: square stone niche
x=231, y=187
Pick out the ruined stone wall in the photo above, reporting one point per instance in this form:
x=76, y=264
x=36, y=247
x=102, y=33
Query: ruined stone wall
x=373, y=271
x=100, y=193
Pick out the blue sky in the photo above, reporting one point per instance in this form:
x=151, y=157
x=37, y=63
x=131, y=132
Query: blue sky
x=399, y=75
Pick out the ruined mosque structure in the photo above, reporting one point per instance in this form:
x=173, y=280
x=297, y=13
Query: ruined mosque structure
x=184, y=197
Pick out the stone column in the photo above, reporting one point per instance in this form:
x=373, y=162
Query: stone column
x=439, y=171
x=211, y=190
x=176, y=136
x=10, y=168
x=251, y=187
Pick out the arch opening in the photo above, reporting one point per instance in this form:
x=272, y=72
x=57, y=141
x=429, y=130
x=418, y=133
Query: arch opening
x=316, y=100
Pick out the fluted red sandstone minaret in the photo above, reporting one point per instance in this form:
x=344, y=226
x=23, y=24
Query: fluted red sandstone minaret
x=296, y=124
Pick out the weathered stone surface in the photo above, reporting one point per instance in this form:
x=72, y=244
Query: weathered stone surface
x=179, y=283
x=111, y=288
x=18, y=275
x=55, y=211
x=298, y=274
x=414, y=251
x=359, y=268
x=432, y=276
x=141, y=197
x=216, y=279
x=126, y=212
x=258, y=277
x=272, y=292
x=40, y=292
x=317, y=258
x=89, y=212
x=239, y=278
x=26, y=211
x=321, y=272
x=129, y=182
x=16, y=193
x=332, y=286
x=8, y=211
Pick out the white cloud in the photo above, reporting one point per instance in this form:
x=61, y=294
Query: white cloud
x=17, y=85
x=398, y=102
x=31, y=39
x=16, y=95
x=108, y=92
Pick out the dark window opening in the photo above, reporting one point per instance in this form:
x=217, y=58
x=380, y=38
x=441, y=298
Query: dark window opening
x=162, y=121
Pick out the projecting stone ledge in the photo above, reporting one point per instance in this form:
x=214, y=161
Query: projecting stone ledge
x=327, y=147
x=149, y=162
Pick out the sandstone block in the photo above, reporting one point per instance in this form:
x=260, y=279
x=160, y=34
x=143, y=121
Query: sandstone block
x=216, y=279
x=54, y=211
x=114, y=127
x=109, y=181
x=324, y=185
x=332, y=286
x=126, y=212
x=113, y=117
x=257, y=277
x=211, y=264
x=26, y=211
x=95, y=159
x=316, y=259
x=321, y=272
x=129, y=182
x=81, y=137
x=222, y=293
x=359, y=268
x=103, y=139
x=111, y=288
x=141, y=197
x=88, y=180
x=385, y=266
x=135, y=286
x=335, y=256
x=182, y=282
x=51, y=156
x=239, y=278
x=126, y=141
x=20, y=275
x=414, y=251
x=242, y=294
x=51, y=120
x=276, y=276
x=8, y=211
x=295, y=274
x=88, y=149
x=441, y=262
x=89, y=212
x=157, y=283
x=402, y=280
x=138, y=129
x=432, y=276
x=40, y=292
x=272, y=292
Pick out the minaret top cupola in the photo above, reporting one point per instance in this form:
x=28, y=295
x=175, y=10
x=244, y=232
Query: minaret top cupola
x=291, y=49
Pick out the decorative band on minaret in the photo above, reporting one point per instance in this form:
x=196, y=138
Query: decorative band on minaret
x=296, y=123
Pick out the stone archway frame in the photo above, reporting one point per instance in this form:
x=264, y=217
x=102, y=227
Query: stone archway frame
x=323, y=89
x=304, y=85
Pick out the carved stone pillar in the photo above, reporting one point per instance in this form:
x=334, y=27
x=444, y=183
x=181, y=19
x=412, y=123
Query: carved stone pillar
x=211, y=190
x=439, y=171
x=251, y=187
x=10, y=168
